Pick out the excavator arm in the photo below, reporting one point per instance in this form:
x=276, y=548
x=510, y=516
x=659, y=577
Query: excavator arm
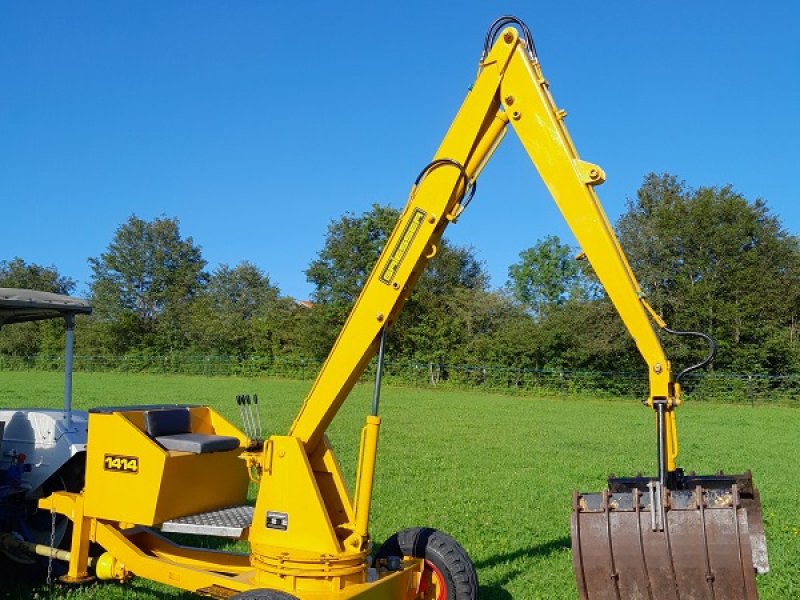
x=672, y=537
x=304, y=510
x=510, y=88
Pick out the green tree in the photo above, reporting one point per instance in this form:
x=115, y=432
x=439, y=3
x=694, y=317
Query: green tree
x=352, y=246
x=585, y=335
x=547, y=275
x=142, y=285
x=444, y=309
x=16, y=273
x=240, y=312
x=29, y=339
x=713, y=261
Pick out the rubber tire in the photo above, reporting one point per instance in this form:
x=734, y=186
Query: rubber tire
x=446, y=554
x=70, y=477
x=263, y=595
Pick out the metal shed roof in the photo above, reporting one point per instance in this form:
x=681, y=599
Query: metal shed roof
x=19, y=305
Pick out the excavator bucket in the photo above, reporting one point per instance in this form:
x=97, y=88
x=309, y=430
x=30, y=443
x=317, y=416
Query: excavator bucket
x=641, y=540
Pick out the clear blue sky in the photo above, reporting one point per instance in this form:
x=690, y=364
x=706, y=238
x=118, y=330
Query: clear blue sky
x=257, y=123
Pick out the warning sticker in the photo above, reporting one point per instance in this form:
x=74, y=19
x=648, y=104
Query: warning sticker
x=277, y=520
x=400, y=250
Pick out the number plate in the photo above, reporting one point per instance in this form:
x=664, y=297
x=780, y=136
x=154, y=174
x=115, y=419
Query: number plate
x=121, y=464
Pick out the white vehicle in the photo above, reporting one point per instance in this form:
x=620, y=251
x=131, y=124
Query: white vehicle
x=41, y=450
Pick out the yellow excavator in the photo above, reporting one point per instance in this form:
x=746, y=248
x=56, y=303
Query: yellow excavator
x=184, y=468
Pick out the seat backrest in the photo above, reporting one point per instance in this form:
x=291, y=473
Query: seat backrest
x=167, y=421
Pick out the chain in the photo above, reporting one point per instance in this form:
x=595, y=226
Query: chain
x=52, y=546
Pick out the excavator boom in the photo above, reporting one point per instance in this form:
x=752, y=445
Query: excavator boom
x=511, y=89
x=673, y=537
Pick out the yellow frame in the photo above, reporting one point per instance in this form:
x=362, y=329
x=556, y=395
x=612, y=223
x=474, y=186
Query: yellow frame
x=323, y=551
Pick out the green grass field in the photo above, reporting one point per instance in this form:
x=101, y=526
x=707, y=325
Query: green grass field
x=496, y=472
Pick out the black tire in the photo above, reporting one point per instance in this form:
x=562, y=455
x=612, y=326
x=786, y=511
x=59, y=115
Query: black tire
x=441, y=553
x=29, y=568
x=71, y=477
x=263, y=595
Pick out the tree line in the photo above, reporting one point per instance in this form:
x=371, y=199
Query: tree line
x=708, y=260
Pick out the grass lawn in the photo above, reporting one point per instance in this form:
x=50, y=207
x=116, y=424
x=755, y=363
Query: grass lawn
x=496, y=472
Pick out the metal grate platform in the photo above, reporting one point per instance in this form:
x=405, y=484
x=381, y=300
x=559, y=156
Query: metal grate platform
x=226, y=522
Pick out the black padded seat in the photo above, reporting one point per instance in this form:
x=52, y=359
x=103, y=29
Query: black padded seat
x=171, y=427
x=197, y=443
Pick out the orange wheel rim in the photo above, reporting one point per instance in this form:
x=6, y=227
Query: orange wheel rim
x=432, y=585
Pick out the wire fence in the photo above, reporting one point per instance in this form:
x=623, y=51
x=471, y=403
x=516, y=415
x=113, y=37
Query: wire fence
x=704, y=386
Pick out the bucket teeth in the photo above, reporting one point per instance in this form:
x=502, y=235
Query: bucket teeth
x=644, y=541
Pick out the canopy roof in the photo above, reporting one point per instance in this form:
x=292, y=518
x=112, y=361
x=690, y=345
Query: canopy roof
x=18, y=305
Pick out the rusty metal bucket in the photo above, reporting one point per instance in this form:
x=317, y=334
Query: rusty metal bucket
x=640, y=540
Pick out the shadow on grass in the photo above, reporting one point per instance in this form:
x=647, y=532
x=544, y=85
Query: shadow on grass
x=205, y=542
x=496, y=591
x=138, y=589
x=545, y=549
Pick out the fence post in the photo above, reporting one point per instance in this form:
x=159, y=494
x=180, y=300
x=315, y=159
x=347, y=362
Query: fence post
x=750, y=390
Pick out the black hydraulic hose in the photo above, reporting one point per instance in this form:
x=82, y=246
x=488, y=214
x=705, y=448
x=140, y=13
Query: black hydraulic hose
x=469, y=186
x=708, y=359
x=501, y=22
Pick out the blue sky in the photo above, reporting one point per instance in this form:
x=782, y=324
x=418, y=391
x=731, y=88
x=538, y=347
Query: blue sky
x=257, y=123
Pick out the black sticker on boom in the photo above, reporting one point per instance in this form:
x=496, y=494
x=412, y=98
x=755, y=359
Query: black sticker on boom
x=403, y=244
x=121, y=464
